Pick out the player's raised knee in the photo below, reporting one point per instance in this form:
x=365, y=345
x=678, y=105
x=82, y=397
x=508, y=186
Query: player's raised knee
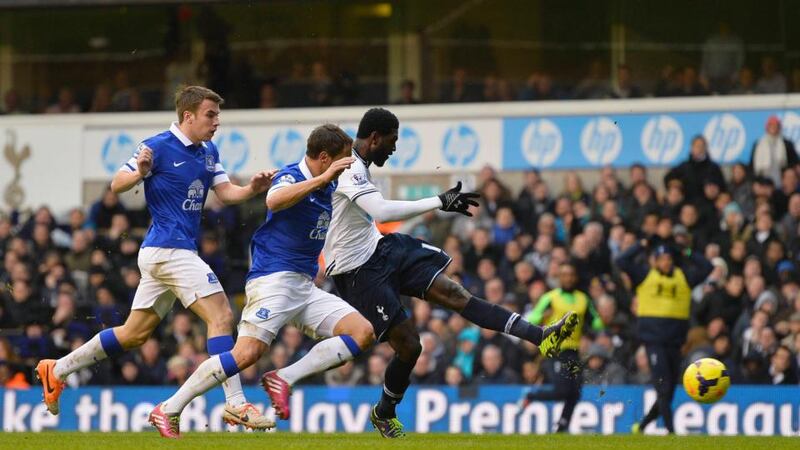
x=130, y=339
x=410, y=349
x=364, y=335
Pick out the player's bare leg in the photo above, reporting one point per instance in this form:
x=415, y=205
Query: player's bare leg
x=109, y=342
x=352, y=334
x=404, y=339
x=451, y=295
x=216, y=312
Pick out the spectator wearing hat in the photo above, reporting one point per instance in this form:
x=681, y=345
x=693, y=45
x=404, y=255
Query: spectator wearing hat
x=733, y=228
x=772, y=152
x=465, y=352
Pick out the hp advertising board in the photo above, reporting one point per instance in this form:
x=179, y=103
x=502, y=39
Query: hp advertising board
x=581, y=142
x=747, y=410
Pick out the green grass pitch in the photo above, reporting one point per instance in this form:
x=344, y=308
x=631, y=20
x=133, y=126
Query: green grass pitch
x=286, y=441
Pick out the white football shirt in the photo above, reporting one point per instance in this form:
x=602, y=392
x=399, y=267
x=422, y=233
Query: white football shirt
x=352, y=234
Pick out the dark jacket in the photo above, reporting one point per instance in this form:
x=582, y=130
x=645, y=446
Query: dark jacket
x=693, y=174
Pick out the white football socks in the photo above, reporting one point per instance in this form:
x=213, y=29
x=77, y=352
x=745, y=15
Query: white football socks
x=326, y=354
x=84, y=356
x=209, y=374
x=233, y=391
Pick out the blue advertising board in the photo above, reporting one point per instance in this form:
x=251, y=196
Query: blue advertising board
x=746, y=410
x=658, y=139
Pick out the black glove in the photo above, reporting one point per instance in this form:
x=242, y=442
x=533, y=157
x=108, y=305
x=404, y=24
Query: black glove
x=456, y=201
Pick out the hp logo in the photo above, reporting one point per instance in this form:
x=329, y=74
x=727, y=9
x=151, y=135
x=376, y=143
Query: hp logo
x=790, y=127
x=117, y=149
x=601, y=141
x=725, y=135
x=541, y=143
x=460, y=146
x=662, y=139
x=233, y=150
x=287, y=147
x=408, y=149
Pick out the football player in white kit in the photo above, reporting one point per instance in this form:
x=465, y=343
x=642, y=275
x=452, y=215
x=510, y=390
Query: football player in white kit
x=371, y=271
x=177, y=166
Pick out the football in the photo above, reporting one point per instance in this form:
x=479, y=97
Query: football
x=706, y=380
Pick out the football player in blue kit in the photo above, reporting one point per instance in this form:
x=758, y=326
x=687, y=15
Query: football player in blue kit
x=178, y=167
x=280, y=285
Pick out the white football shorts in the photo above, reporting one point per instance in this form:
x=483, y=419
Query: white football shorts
x=289, y=297
x=168, y=273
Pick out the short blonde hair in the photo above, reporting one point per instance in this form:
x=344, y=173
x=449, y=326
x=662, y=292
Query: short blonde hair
x=189, y=98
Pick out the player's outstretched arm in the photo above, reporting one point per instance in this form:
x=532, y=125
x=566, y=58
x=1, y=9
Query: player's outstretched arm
x=384, y=210
x=286, y=196
x=231, y=194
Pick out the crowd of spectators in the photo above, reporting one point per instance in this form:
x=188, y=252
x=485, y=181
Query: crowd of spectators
x=721, y=68
x=65, y=279
x=318, y=88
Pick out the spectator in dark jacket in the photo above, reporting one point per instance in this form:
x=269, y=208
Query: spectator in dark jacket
x=104, y=209
x=152, y=367
x=694, y=172
x=781, y=368
x=726, y=304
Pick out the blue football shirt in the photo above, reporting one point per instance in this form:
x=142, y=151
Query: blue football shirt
x=291, y=240
x=177, y=186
